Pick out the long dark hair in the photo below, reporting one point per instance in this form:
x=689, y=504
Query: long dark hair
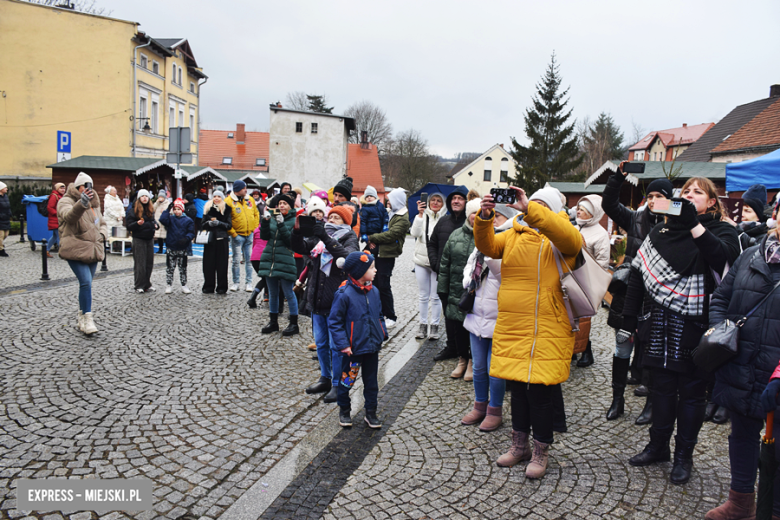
x=143, y=210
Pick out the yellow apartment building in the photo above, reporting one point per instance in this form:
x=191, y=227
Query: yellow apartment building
x=75, y=84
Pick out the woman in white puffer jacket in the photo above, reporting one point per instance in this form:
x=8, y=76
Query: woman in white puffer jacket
x=480, y=322
x=422, y=228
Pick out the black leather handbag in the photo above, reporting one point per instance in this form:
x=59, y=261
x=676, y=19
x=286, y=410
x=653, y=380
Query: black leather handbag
x=721, y=342
x=619, y=283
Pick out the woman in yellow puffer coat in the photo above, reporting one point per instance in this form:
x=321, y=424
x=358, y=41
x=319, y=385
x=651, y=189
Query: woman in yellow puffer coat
x=532, y=340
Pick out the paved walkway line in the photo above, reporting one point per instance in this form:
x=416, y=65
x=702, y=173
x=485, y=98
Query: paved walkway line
x=256, y=500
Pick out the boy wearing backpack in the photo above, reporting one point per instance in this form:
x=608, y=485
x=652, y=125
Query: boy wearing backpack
x=357, y=330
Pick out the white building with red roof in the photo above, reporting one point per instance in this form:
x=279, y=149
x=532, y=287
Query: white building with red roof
x=666, y=145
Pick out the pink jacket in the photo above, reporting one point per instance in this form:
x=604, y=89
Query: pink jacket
x=257, y=245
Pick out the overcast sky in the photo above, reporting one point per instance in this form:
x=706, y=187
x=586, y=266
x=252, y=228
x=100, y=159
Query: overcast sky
x=463, y=72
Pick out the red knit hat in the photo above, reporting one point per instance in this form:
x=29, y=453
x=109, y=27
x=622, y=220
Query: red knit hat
x=345, y=212
x=178, y=203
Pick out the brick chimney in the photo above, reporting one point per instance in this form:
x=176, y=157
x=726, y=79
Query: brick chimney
x=502, y=145
x=240, y=133
x=685, y=125
x=774, y=91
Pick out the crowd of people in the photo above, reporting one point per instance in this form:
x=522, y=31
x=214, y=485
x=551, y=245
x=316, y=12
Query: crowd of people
x=491, y=270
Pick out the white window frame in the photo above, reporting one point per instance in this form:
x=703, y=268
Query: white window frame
x=155, y=62
x=144, y=62
x=173, y=79
x=259, y=161
x=171, y=115
x=192, y=87
x=143, y=102
x=314, y=128
x=180, y=80
x=192, y=123
x=154, y=115
x=227, y=160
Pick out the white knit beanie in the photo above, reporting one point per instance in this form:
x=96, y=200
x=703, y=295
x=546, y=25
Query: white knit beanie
x=549, y=196
x=315, y=203
x=81, y=179
x=2, y=185
x=472, y=207
x=141, y=193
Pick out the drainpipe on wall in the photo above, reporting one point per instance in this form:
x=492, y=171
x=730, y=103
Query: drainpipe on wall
x=135, y=88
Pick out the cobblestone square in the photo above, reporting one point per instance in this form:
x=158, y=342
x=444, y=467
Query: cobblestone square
x=185, y=391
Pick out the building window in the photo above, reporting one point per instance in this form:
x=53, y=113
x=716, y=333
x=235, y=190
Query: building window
x=173, y=78
x=192, y=87
x=314, y=128
x=156, y=67
x=504, y=170
x=172, y=117
x=181, y=117
x=230, y=135
x=488, y=175
x=227, y=160
x=259, y=162
x=180, y=83
x=142, y=113
x=155, y=109
x=192, y=123
x=144, y=62
x=298, y=128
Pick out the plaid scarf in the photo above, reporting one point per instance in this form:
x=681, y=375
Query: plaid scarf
x=772, y=250
x=684, y=295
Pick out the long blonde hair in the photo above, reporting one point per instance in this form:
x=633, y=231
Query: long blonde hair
x=712, y=193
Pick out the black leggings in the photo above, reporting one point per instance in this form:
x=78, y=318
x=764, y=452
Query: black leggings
x=532, y=409
x=458, y=338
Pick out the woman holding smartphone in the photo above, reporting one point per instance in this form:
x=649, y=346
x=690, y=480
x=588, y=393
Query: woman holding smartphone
x=141, y=223
x=429, y=212
x=678, y=266
x=82, y=230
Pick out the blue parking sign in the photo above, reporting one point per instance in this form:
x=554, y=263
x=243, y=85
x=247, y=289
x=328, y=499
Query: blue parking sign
x=63, y=142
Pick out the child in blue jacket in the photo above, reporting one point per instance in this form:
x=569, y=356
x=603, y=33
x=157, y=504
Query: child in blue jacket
x=357, y=330
x=373, y=215
x=181, y=233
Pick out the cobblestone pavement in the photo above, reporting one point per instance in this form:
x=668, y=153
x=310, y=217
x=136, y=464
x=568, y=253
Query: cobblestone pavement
x=182, y=389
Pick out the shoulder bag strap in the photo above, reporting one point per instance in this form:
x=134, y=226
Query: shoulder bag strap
x=764, y=299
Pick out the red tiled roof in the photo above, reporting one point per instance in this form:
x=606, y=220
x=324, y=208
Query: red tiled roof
x=215, y=144
x=672, y=136
x=762, y=130
x=363, y=167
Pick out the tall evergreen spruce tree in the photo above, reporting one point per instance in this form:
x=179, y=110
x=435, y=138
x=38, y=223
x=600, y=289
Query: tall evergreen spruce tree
x=318, y=104
x=553, y=150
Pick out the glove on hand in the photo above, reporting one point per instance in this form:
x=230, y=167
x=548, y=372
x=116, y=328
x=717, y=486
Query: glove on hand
x=364, y=239
x=85, y=200
x=688, y=218
x=622, y=336
x=279, y=218
x=769, y=397
x=319, y=230
x=213, y=223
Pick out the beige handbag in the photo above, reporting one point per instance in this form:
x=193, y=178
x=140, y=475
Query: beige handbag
x=584, y=287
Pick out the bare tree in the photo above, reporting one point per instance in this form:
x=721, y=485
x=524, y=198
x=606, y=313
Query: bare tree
x=84, y=6
x=297, y=100
x=371, y=119
x=408, y=163
x=638, y=132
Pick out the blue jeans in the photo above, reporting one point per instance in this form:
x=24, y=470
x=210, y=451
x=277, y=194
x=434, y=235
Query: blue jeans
x=84, y=273
x=481, y=349
x=273, y=294
x=55, y=239
x=369, y=364
x=328, y=358
x=243, y=244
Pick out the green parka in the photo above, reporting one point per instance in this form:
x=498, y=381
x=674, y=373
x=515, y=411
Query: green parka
x=453, y=260
x=277, y=259
x=391, y=242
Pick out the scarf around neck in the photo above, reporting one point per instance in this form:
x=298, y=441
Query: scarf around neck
x=335, y=231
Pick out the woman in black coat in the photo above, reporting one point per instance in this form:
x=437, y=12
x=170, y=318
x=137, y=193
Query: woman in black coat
x=740, y=382
x=637, y=224
x=217, y=218
x=678, y=266
x=331, y=241
x=142, y=225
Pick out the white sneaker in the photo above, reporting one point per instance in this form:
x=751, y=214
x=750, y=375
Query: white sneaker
x=185, y=289
x=389, y=323
x=140, y=291
x=249, y=287
x=151, y=289
x=234, y=287
x=81, y=322
x=168, y=289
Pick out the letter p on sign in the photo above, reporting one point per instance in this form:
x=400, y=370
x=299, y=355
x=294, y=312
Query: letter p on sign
x=63, y=142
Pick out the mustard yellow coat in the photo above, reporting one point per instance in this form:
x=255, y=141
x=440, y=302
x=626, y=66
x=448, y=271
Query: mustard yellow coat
x=532, y=341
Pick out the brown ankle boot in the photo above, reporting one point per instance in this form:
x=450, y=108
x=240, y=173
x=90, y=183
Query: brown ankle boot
x=475, y=415
x=493, y=419
x=518, y=452
x=460, y=369
x=739, y=506
x=469, y=375
x=538, y=465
